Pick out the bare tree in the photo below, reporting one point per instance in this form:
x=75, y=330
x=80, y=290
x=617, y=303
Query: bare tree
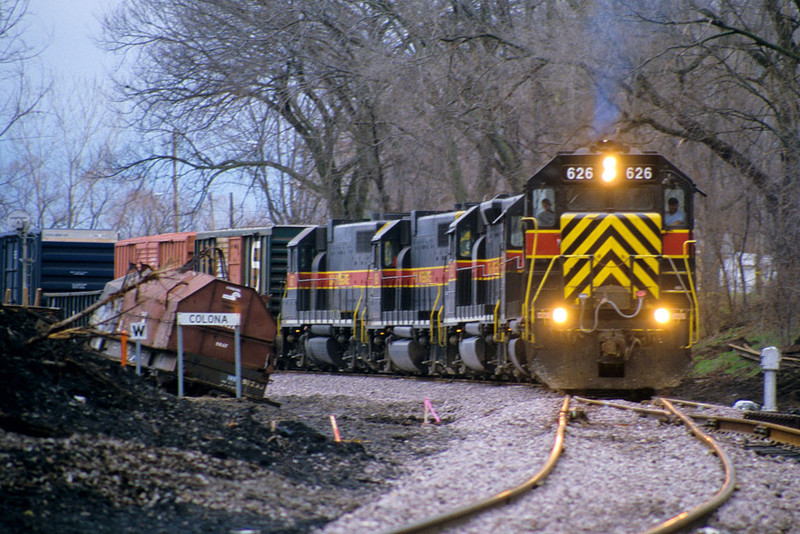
x=207, y=63
x=58, y=162
x=372, y=100
x=18, y=100
x=728, y=79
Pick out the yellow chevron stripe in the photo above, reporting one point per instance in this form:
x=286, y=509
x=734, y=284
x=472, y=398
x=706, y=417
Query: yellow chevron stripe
x=653, y=238
x=609, y=236
x=611, y=271
x=576, y=281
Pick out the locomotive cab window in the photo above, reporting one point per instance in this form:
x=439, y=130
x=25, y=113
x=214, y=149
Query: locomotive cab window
x=465, y=243
x=516, y=232
x=305, y=255
x=544, y=205
x=674, y=208
x=390, y=249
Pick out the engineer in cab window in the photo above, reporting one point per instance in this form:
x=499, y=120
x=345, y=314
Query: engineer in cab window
x=546, y=217
x=675, y=216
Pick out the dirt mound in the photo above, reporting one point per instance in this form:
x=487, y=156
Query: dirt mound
x=86, y=445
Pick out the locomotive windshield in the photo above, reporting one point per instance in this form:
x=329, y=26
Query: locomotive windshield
x=623, y=199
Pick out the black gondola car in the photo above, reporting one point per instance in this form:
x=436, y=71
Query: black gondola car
x=254, y=257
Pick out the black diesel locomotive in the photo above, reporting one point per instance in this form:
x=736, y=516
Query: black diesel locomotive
x=585, y=281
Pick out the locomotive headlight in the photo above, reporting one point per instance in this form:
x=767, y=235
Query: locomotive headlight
x=661, y=315
x=609, y=168
x=560, y=315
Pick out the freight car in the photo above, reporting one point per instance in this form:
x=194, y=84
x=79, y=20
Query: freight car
x=584, y=281
x=255, y=257
x=154, y=251
x=155, y=299
x=57, y=268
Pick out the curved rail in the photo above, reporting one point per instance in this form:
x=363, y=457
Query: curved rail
x=505, y=496
x=685, y=518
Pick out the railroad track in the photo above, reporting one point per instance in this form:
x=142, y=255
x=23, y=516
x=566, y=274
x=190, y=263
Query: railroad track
x=775, y=433
x=503, y=497
x=781, y=435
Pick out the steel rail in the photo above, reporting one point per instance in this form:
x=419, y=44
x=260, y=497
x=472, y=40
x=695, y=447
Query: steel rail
x=502, y=497
x=693, y=403
x=685, y=518
x=638, y=409
x=771, y=431
x=778, y=433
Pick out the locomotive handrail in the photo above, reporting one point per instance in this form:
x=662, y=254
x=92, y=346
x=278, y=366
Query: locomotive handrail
x=695, y=308
x=502, y=338
x=442, y=331
x=434, y=326
x=363, y=336
x=526, y=308
x=278, y=321
x=688, y=294
x=355, y=312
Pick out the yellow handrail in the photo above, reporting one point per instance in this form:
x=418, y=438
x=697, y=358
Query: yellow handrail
x=525, y=307
x=355, y=313
x=433, y=312
x=278, y=320
x=364, y=337
x=502, y=337
x=694, y=318
x=442, y=333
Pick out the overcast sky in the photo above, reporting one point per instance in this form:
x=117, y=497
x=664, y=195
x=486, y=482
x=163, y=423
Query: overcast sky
x=68, y=29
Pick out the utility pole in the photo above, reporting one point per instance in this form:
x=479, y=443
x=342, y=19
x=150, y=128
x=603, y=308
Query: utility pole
x=20, y=221
x=175, y=177
x=231, y=210
x=211, y=201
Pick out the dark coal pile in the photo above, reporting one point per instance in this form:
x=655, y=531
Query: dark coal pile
x=86, y=446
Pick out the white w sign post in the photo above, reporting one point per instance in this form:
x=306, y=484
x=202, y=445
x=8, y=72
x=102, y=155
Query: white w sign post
x=138, y=333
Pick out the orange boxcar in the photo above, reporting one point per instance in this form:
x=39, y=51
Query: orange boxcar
x=157, y=251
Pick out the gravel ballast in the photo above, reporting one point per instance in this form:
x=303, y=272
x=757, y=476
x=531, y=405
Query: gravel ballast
x=86, y=446
x=620, y=471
